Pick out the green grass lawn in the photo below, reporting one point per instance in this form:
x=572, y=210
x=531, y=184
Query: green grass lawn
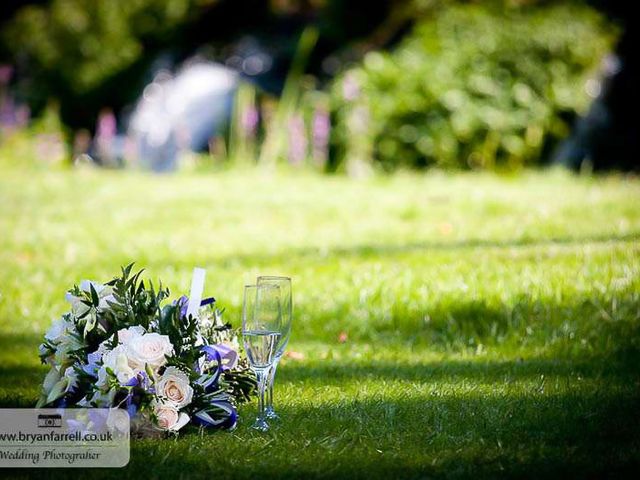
x=492, y=324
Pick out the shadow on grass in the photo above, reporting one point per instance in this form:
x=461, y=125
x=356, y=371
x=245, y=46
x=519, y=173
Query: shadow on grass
x=480, y=371
x=574, y=326
x=413, y=432
x=533, y=435
x=21, y=373
x=301, y=255
x=612, y=346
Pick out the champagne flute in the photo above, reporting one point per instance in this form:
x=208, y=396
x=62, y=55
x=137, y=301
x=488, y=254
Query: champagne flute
x=261, y=332
x=287, y=316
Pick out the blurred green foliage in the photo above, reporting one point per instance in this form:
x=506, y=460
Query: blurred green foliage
x=88, y=54
x=75, y=50
x=471, y=87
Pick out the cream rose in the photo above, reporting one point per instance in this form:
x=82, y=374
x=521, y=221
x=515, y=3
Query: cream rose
x=168, y=417
x=174, y=386
x=149, y=349
x=125, y=335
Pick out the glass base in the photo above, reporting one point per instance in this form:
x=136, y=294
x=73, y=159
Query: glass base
x=260, y=424
x=271, y=414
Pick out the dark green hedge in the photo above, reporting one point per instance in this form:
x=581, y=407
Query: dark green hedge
x=471, y=87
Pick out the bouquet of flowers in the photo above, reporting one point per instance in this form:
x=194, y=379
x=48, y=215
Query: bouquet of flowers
x=120, y=347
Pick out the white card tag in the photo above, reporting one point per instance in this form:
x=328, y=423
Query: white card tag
x=197, y=287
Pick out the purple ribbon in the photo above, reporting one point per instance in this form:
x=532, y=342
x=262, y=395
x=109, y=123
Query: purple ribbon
x=226, y=356
x=227, y=421
x=183, y=303
x=211, y=355
x=207, y=301
x=141, y=379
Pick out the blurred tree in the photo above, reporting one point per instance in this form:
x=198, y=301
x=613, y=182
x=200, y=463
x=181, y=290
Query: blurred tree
x=81, y=51
x=89, y=54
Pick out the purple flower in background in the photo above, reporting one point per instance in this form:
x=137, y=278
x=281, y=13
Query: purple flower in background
x=320, y=130
x=249, y=121
x=106, y=128
x=7, y=111
x=297, y=140
x=5, y=73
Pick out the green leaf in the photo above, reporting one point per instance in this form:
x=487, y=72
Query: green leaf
x=127, y=270
x=91, y=322
x=58, y=390
x=147, y=369
x=94, y=296
x=42, y=401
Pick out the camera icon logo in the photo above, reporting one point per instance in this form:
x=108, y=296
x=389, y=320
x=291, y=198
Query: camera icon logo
x=50, y=421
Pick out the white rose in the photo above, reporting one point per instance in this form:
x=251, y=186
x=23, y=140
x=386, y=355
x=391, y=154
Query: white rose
x=149, y=349
x=85, y=286
x=66, y=345
x=59, y=329
x=77, y=307
x=168, y=417
x=125, y=335
x=174, y=386
x=117, y=361
x=105, y=295
x=105, y=301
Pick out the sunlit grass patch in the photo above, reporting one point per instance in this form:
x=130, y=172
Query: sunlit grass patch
x=455, y=325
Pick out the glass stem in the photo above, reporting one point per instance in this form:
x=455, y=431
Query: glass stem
x=272, y=377
x=261, y=376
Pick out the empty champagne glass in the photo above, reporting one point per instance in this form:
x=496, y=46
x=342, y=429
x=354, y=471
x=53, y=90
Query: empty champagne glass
x=262, y=329
x=284, y=283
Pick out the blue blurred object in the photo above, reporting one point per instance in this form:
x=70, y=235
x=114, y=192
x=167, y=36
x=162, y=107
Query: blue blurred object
x=181, y=112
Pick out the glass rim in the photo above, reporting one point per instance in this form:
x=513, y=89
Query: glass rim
x=261, y=286
x=273, y=277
